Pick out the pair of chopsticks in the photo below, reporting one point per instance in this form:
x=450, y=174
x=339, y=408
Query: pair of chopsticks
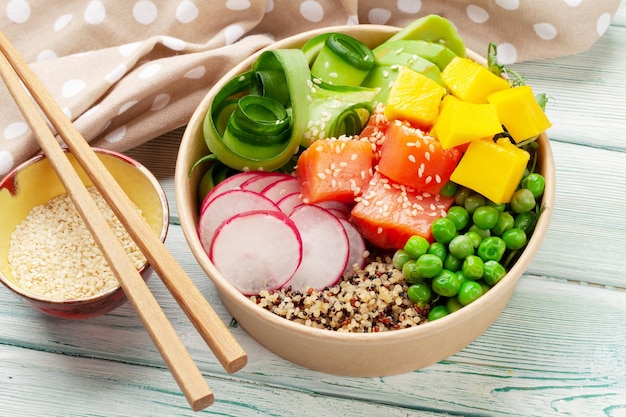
x=15, y=71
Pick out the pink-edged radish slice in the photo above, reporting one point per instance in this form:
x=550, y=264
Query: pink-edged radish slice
x=227, y=205
x=282, y=188
x=289, y=202
x=231, y=183
x=257, y=250
x=339, y=213
x=262, y=179
x=358, y=250
x=325, y=248
x=335, y=205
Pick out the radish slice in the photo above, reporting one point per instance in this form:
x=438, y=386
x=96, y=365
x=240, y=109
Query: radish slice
x=231, y=183
x=257, y=250
x=225, y=206
x=262, y=179
x=281, y=188
x=358, y=250
x=289, y=202
x=335, y=205
x=339, y=213
x=325, y=248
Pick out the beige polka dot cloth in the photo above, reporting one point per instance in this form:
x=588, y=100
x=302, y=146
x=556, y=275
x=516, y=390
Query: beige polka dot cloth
x=126, y=71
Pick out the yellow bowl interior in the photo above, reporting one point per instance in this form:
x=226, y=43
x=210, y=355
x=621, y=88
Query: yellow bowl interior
x=35, y=183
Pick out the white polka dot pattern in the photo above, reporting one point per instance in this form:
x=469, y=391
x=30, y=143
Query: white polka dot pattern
x=126, y=73
x=95, y=12
x=15, y=130
x=18, y=11
x=312, y=11
x=186, y=12
x=145, y=12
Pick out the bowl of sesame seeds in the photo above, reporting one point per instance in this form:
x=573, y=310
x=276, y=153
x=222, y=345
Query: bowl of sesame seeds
x=48, y=257
x=363, y=326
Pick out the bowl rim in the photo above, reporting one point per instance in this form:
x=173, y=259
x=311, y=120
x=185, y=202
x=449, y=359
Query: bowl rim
x=188, y=221
x=158, y=188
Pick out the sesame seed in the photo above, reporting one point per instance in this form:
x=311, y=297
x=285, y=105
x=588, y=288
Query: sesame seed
x=53, y=241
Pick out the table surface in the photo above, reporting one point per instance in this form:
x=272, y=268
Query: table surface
x=558, y=348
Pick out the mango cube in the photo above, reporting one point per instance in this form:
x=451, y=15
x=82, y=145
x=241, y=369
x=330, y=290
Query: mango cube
x=460, y=122
x=415, y=98
x=519, y=112
x=493, y=169
x=470, y=81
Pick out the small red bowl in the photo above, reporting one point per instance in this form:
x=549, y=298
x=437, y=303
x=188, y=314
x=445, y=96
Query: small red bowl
x=34, y=183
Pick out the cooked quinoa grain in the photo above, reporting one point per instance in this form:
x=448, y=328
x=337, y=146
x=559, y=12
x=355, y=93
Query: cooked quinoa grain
x=53, y=254
x=373, y=299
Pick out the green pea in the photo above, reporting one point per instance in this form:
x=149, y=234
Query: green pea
x=409, y=271
x=449, y=189
x=485, y=217
x=438, y=249
x=443, y=230
x=491, y=248
x=535, y=183
x=419, y=293
x=473, y=267
x=428, y=266
x=461, y=246
x=481, y=232
x=452, y=305
x=514, y=238
x=446, y=284
x=461, y=276
x=416, y=246
x=461, y=194
x=400, y=257
x=474, y=237
x=522, y=201
x=494, y=272
x=484, y=285
x=498, y=206
x=452, y=263
x=470, y=291
x=505, y=222
x=459, y=216
x=525, y=222
x=437, y=312
x=474, y=201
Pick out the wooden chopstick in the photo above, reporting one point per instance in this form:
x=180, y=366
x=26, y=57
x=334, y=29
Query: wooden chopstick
x=15, y=71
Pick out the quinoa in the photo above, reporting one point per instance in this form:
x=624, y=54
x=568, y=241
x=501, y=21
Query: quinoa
x=53, y=254
x=369, y=300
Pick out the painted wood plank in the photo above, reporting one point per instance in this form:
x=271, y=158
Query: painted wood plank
x=587, y=92
x=95, y=388
x=588, y=227
x=620, y=17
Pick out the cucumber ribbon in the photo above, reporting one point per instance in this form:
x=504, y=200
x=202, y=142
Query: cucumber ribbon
x=261, y=118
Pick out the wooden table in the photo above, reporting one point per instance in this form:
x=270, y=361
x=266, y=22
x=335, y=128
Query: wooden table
x=559, y=348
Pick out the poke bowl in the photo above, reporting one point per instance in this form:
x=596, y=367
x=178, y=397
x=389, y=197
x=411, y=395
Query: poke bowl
x=359, y=353
x=48, y=258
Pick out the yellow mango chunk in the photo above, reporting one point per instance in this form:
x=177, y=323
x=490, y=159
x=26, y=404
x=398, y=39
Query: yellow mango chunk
x=460, y=122
x=415, y=98
x=519, y=112
x=493, y=169
x=470, y=81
